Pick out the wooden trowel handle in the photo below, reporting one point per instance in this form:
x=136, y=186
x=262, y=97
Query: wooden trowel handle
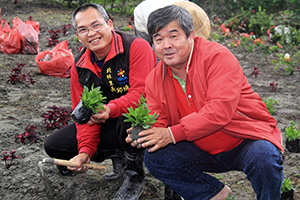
x=55, y=161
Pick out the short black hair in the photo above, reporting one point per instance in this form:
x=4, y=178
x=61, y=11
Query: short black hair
x=160, y=18
x=86, y=6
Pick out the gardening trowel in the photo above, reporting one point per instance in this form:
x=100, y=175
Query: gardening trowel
x=55, y=161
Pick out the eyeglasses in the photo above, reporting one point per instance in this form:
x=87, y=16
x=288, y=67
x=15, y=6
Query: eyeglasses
x=95, y=28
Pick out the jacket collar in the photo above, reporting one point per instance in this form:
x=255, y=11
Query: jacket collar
x=116, y=46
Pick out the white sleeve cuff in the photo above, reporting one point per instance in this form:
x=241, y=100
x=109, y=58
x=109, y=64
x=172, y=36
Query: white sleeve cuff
x=174, y=142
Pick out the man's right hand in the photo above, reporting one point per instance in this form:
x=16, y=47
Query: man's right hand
x=80, y=159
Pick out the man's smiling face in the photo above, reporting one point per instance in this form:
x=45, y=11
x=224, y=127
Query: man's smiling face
x=100, y=41
x=172, y=45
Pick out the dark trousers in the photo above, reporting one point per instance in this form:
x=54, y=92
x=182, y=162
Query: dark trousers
x=62, y=144
x=183, y=167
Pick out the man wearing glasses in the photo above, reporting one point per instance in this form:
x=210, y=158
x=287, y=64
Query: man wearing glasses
x=119, y=63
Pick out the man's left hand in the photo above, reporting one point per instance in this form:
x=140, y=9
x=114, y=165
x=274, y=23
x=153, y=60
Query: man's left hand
x=101, y=116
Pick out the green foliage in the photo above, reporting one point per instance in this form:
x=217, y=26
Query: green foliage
x=270, y=104
x=263, y=48
x=218, y=37
x=130, y=10
x=289, y=62
x=286, y=35
x=292, y=132
x=126, y=28
x=260, y=22
x=287, y=18
x=245, y=41
x=274, y=48
x=117, y=6
x=140, y=115
x=93, y=99
x=225, y=8
x=286, y=185
x=76, y=39
x=295, y=36
x=239, y=22
x=272, y=6
x=229, y=197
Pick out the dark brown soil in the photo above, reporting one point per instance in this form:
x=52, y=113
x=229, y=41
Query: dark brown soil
x=22, y=104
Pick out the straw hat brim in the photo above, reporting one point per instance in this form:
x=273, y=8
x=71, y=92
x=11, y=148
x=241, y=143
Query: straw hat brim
x=200, y=19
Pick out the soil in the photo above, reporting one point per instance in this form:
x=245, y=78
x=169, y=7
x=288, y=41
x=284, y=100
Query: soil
x=22, y=104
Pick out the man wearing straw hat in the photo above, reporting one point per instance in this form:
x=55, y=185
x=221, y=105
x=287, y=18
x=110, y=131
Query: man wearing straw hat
x=210, y=120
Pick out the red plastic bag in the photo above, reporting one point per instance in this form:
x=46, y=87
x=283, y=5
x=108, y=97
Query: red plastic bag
x=35, y=25
x=56, y=62
x=30, y=42
x=29, y=37
x=4, y=26
x=10, y=43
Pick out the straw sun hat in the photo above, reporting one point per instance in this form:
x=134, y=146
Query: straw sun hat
x=200, y=19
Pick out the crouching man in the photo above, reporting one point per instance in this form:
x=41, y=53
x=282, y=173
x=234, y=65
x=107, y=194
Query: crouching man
x=119, y=63
x=210, y=120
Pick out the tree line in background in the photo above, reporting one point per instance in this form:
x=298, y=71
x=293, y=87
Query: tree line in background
x=222, y=8
x=225, y=9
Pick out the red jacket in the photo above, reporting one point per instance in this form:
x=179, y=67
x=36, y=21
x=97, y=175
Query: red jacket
x=221, y=94
x=142, y=60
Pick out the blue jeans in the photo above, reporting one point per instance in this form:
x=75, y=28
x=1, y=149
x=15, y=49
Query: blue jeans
x=182, y=166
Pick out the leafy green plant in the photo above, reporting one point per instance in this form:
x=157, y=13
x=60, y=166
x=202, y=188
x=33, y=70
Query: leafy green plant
x=274, y=48
x=275, y=36
x=76, y=39
x=292, y=132
x=229, y=197
x=92, y=99
x=220, y=38
x=264, y=48
x=239, y=22
x=260, y=22
x=286, y=35
x=140, y=115
x=289, y=62
x=126, y=28
x=247, y=43
x=270, y=104
x=295, y=36
x=286, y=185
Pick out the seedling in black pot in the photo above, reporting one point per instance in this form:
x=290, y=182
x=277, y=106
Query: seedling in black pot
x=287, y=192
x=91, y=102
x=139, y=118
x=292, y=133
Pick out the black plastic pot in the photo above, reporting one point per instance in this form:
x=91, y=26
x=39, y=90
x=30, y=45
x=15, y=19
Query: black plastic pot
x=135, y=132
x=289, y=195
x=292, y=146
x=81, y=114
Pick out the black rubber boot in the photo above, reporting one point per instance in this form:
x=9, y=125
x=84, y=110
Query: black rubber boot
x=133, y=184
x=119, y=164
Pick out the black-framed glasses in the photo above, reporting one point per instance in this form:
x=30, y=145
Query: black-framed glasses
x=95, y=28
